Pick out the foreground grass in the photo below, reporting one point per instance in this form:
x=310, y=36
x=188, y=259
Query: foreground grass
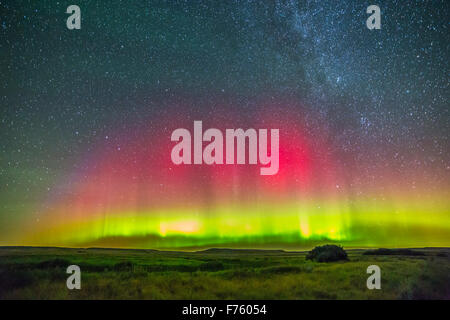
x=39, y=273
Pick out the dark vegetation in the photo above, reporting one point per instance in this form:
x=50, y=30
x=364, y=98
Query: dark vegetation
x=327, y=253
x=394, y=252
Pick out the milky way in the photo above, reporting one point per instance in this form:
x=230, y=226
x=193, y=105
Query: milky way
x=87, y=115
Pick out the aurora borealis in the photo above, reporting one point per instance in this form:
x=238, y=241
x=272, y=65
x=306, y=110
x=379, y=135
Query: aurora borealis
x=87, y=116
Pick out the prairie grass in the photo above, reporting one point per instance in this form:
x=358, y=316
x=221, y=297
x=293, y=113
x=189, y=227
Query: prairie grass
x=39, y=273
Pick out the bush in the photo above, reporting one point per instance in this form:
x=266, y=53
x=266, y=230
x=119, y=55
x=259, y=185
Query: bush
x=327, y=253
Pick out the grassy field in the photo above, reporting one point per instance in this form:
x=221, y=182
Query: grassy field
x=40, y=273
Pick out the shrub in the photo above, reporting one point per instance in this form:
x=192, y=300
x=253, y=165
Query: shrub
x=327, y=253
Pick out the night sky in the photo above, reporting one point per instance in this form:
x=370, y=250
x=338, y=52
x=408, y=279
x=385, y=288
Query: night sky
x=87, y=115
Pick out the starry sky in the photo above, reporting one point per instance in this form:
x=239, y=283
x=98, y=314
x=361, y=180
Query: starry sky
x=86, y=119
